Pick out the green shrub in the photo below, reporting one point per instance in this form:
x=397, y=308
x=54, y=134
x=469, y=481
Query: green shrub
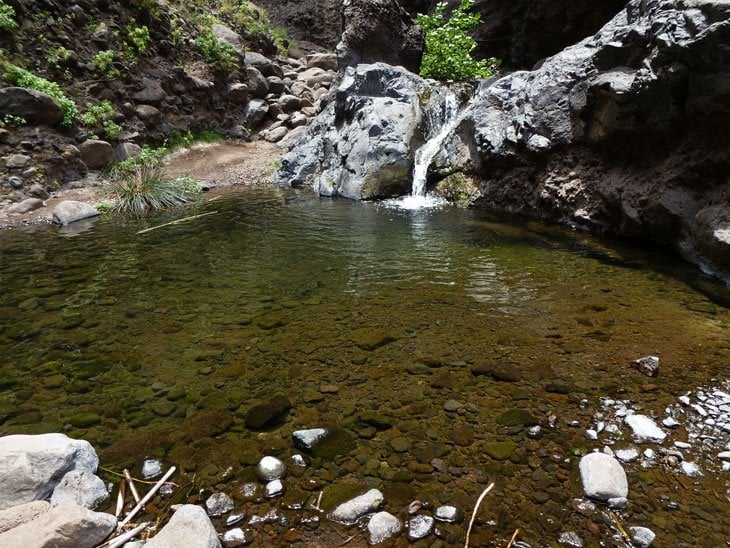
x=7, y=17
x=138, y=37
x=104, y=63
x=101, y=115
x=447, y=55
x=9, y=120
x=57, y=56
x=147, y=187
x=22, y=78
x=219, y=54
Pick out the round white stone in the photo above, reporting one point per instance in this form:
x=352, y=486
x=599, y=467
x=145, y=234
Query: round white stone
x=270, y=468
x=382, y=526
x=603, y=477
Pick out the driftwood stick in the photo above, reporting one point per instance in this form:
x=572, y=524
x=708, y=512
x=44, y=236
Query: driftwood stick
x=514, y=537
x=120, y=499
x=146, y=498
x=178, y=221
x=474, y=513
x=121, y=539
x=132, y=488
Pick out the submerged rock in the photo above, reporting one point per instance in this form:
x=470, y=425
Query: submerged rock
x=218, y=504
x=268, y=413
x=648, y=365
x=419, y=527
x=325, y=443
x=348, y=512
x=448, y=514
x=382, y=526
x=270, y=468
x=603, y=477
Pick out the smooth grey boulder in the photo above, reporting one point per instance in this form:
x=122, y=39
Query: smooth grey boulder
x=26, y=206
x=34, y=465
x=348, y=512
x=256, y=82
x=18, y=161
x=361, y=145
x=80, y=487
x=34, y=106
x=70, y=211
x=23, y=513
x=96, y=154
x=66, y=526
x=603, y=477
x=229, y=36
x=190, y=527
x=124, y=151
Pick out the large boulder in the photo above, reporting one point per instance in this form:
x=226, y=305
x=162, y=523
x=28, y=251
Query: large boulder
x=379, y=31
x=623, y=132
x=34, y=465
x=316, y=21
x=66, y=526
x=35, y=107
x=189, y=526
x=96, y=154
x=361, y=145
x=70, y=211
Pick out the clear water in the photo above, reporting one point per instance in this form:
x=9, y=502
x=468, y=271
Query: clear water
x=159, y=343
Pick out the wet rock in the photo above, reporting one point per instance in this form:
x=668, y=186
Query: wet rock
x=26, y=206
x=268, y=414
x=641, y=537
x=691, y=469
x=306, y=439
x=273, y=489
x=371, y=338
x=96, y=154
x=348, y=512
x=257, y=85
x=583, y=507
x=236, y=537
x=500, y=450
x=270, y=468
x=218, y=504
x=382, y=526
x=448, y=514
x=517, y=417
x=569, y=538
x=648, y=365
x=377, y=420
x=627, y=455
x=79, y=487
x=23, y=513
x=190, y=527
x=419, y=527
x=325, y=443
x=36, y=107
x=603, y=477
x=400, y=444
x=34, y=465
x=645, y=429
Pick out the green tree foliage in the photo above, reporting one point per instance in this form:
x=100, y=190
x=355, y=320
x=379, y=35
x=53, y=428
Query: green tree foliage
x=448, y=45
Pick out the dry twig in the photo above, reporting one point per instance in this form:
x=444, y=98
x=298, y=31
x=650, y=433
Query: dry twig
x=132, y=488
x=178, y=221
x=474, y=513
x=514, y=538
x=146, y=498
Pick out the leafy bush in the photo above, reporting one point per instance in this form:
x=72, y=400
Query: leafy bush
x=7, y=17
x=101, y=116
x=447, y=55
x=24, y=79
x=104, y=63
x=10, y=120
x=138, y=37
x=221, y=55
x=57, y=56
x=147, y=187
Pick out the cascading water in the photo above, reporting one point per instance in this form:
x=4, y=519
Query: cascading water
x=447, y=117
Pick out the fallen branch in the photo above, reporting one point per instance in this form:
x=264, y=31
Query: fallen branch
x=177, y=221
x=618, y=525
x=474, y=513
x=514, y=537
x=120, y=499
x=123, y=538
x=146, y=498
x=132, y=488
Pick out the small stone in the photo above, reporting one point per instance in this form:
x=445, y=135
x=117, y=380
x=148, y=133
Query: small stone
x=603, y=477
x=349, y=512
x=670, y=422
x=298, y=460
x=583, y=507
x=26, y=206
x=306, y=439
x=382, y=526
x=591, y=434
x=724, y=455
x=691, y=469
x=419, y=527
x=400, y=445
x=627, y=455
x=236, y=537
x=218, y=504
x=235, y=518
x=645, y=429
x=569, y=538
x=17, y=161
x=268, y=413
x=270, y=468
x=273, y=489
x=618, y=503
x=151, y=468
x=15, y=181
x=500, y=450
x=641, y=537
x=452, y=406
x=448, y=514
x=329, y=389
x=648, y=365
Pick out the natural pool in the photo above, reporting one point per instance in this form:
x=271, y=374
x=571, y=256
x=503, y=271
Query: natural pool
x=419, y=333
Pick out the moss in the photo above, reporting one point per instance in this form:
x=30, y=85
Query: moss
x=458, y=188
x=517, y=417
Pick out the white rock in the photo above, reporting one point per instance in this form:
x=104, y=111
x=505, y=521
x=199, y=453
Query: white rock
x=382, y=526
x=32, y=466
x=682, y=445
x=571, y=539
x=684, y=400
x=591, y=434
x=691, y=469
x=724, y=455
x=603, y=477
x=645, y=429
x=298, y=460
x=218, y=504
x=17, y=515
x=419, y=527
x=306, y=439
x=270, y=468
x=348, y=512
x=641, y=537
x=448, y=514
x=151, y=468
x=190, y=527
x=670, y=422
x=627, y=455
x=80, y=487
x=66, y=526
x=236, y=537
x=273, y=489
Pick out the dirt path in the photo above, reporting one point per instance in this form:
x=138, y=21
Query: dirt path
x=213, y=165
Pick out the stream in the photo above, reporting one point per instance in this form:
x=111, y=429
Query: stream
x=438, y=339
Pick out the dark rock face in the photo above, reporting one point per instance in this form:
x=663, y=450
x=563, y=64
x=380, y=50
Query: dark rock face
x=622, y=132
x=316, y=21
x=379, y=31
x=34, y=106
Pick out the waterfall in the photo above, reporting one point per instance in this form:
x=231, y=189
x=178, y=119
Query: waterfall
x=448, y=120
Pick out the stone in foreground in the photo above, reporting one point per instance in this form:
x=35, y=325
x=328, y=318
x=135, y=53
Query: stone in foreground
x=348, y=512
x=642, y=537
x=603, y=477
x=189, y=527
x=79, y=487
x=18, y=515
x=70, y=211
x=382, y=526
x=34, y=465
x=66, y=526
x=270, y=468
x=645, y=429
x=419, y=527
